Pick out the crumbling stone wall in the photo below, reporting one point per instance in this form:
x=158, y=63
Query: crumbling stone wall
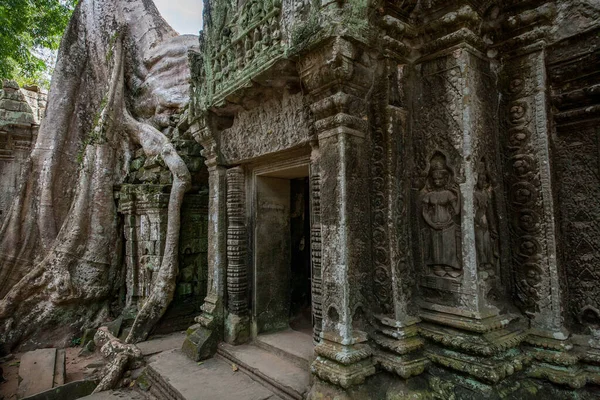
x=143, y=202
x=21, y=111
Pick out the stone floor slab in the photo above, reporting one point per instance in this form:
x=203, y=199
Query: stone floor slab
x=36, y=372
x=208, y=380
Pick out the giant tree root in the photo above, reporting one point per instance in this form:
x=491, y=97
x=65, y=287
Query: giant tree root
x=153, y=143
x=64, y=232
x=120, y=356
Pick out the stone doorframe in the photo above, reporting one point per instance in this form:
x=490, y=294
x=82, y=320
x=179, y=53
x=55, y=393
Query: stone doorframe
x=276, y=169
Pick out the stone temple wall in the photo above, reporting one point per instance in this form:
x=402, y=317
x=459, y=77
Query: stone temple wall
x=21, y=111
x=143, y=207
x=453, y=150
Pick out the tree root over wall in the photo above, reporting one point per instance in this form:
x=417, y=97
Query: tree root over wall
x=63, y=229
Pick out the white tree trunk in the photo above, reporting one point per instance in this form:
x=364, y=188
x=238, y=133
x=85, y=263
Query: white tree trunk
x=60, y=246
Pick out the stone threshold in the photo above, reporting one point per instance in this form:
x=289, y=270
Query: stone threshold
x=295, y=346
x=270, y=366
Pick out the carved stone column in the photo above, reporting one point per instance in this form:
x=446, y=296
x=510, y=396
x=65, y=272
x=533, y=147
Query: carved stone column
x=526, y=137
x=203, y=337
x=337, y=86
x=576, y=167
x=316, y=244
x=396, y=334
x=527, y=163
x=397, y=342
x=145, y=224
x=237, y=325
x=456, y=203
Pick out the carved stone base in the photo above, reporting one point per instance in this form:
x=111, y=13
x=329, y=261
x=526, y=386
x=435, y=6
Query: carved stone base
x=237, y=329
x=573, y=376
x=445, y=385
x=469, y=321
x=398, y=346
x=200, y=343
x=487, y=369
x=405, y=366
x=483, y=346
x=343, y=365
x=560, y=362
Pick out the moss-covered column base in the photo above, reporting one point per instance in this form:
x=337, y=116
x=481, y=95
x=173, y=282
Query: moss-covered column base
x=398, y=347
x=200, y=342
x=568, y=362
x=485, y=348
x=237, y=329
x=343, y=365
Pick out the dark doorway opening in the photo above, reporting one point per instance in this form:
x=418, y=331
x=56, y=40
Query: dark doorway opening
x=300, y=277
x=282, y=271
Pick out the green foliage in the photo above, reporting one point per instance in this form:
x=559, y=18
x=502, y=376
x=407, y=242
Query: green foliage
x=75, y=341
x=30, y=33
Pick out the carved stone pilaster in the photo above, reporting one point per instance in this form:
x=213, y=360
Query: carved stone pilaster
x=202, y=338
x=338, y=85
x=395, y=335
x=576, y=167
x=145, y=226
x=455, y=201
x=526, y=144
x=316, y=245
x=237, y=326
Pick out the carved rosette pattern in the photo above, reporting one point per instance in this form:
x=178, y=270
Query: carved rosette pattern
x=402, y=257
x=381, y=259
x=237, y=243
x=525, y=114
x=315, y=241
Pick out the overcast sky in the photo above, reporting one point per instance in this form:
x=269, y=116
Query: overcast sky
x=185, y=16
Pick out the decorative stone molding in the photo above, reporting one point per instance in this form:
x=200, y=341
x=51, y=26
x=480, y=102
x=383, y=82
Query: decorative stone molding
x=237, y=325
x=316, y=245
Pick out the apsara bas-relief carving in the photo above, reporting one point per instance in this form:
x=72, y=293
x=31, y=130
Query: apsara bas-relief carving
x=440, y=204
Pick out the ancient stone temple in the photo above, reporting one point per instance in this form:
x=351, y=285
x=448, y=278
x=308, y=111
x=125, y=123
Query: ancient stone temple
x=412, y=185
x=21, y=111
x=143, y=207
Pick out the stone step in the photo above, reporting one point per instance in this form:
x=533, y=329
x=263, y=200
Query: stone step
x=69, y=391
x=115, y=395
x=59, y=368
x=36, y=372
x=173, y=376
x=295, y=346
x=279, y=374
x=163, y=343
